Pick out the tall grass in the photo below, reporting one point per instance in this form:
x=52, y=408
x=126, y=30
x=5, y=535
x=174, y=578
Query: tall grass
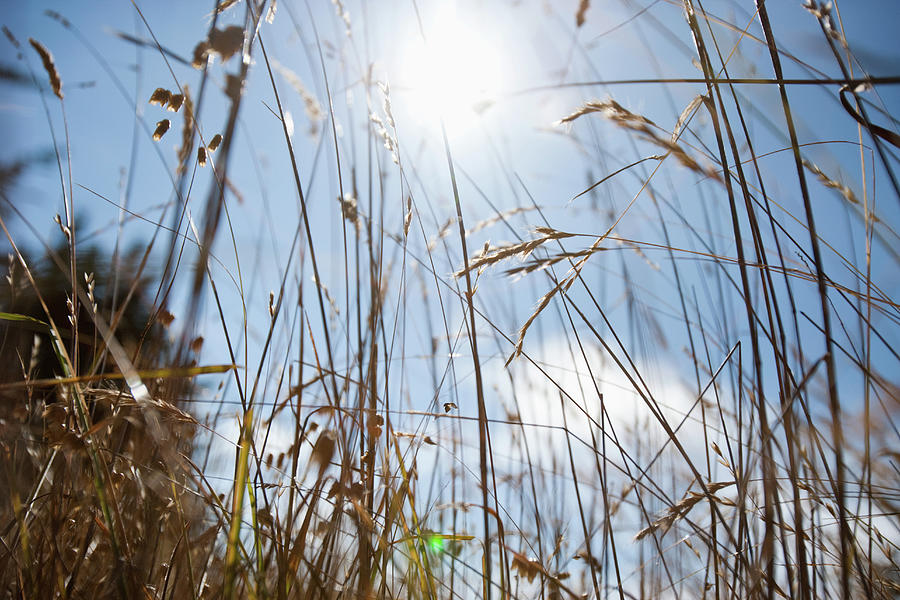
x=293, y=360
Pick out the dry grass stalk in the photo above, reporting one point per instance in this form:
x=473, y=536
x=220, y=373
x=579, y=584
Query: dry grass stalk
x=495, y=254
x=489, y=256
x=681, y=509
x=538, y=264
x=541, y=305
x=390, y=143
x=646, y=128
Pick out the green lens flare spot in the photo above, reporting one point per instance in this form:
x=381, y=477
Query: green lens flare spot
x=436, y=543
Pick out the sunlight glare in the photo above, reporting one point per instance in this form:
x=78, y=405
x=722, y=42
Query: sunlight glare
x=455, y=74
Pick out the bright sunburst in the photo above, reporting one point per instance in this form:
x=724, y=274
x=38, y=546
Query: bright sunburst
x=454, y=74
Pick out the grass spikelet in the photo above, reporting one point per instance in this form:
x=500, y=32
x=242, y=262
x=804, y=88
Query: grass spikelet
x=12, y=39
x=390, y=142
x=59, y=18
x=214, y=143
x=160, y=96
x=563, y=285
x=343, y=14
x=49, y=66
x=349, y=209
x=680, y=510
x=175, y=102
x=525, y=566
x=201, y=55
x=234, y=86
x=331, y=301
x=161, y=128
x=823, y=13
x=201, y=156
x=323, y=450
x=224, y=5
x=611, y=110
x=581, y=15
x=386, y=104
x=226, y=42
x=164, y=317
x=409, y=215
x=828, y=182
x=685, y=116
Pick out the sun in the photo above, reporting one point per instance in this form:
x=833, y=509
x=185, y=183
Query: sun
x=453, y=74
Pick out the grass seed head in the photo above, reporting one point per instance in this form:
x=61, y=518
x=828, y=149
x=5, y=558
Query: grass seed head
x=323, y=451
x=49, y=66
x=225, y=5
x=12, y=39
x=214, y=143
x=161, y=128
x=175, y=102
x=160, y=96
x=187, y=130
x=580, y=16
